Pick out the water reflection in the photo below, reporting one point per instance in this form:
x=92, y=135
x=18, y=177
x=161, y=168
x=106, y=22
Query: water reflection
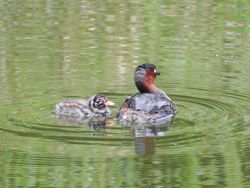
x=94, y=123
x=145, y=138
x=144, y=135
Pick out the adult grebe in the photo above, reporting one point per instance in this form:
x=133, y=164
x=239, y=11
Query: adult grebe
x=151, y=105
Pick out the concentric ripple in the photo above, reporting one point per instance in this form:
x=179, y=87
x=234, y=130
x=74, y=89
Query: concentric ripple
x=203, y=108
x=204, y=114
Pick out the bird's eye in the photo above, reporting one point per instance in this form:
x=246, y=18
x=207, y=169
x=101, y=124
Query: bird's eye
x=155, y=71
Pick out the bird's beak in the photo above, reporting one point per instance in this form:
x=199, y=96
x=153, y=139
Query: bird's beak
x=109, y=103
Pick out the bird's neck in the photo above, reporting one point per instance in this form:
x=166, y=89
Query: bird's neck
x=144, y=83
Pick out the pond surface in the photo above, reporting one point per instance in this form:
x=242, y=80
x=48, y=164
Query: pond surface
x=53, y=50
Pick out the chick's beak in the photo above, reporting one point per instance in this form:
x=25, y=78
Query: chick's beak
x=109, y=103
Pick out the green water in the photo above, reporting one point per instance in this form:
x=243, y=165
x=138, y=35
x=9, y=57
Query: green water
x=53, y=50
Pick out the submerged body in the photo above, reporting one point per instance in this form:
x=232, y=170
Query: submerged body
x=151, y=105
x=96, y=106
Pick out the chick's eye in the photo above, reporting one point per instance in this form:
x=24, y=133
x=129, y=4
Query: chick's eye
x=101, y=102
x=155, y=71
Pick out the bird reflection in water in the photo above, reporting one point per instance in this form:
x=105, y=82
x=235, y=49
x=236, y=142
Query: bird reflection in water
x=94, y=123
x=145, y=138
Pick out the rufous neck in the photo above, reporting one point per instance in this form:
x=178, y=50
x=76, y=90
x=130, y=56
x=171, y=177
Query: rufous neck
x=144, y=82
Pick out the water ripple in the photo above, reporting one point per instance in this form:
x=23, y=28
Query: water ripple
x=202, y=107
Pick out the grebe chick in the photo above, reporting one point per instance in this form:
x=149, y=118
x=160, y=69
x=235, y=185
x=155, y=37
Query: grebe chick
x=96, y=106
